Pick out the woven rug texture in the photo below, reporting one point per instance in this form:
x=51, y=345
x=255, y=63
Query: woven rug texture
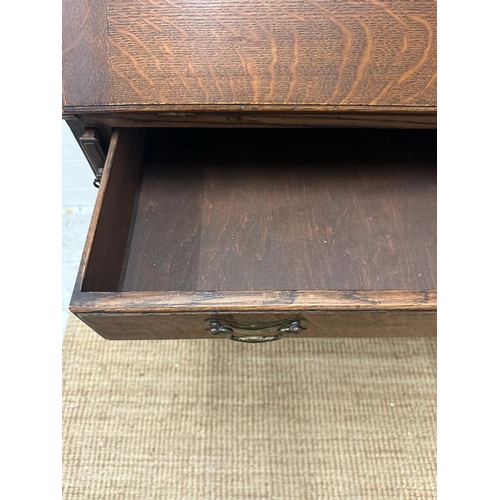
x=215, y=419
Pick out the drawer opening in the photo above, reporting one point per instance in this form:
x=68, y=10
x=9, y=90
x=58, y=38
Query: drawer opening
x=195, y=210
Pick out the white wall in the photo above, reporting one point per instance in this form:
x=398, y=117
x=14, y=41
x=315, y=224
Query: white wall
x=77, y=176
x=78, y=198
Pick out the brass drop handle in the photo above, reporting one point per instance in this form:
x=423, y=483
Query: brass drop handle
x=291, y=326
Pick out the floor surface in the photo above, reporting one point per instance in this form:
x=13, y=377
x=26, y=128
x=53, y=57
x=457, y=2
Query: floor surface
x=298, y=419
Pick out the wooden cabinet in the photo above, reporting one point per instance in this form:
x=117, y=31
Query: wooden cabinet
x=266, y=170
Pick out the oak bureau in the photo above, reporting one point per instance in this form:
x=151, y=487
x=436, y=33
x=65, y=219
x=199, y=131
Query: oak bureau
x=266, y=169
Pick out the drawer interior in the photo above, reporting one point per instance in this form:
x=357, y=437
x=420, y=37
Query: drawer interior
x=267, y=209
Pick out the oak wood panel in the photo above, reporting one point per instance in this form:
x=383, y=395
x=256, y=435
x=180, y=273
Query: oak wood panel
x=221, y=51
x=261, y=119
x=86, y=74
x=109, y=227
x=192, y=326
x=224, y=53
x=242, y=210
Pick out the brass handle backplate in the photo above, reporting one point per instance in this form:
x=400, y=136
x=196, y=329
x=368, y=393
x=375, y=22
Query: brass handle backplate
x=224, y=326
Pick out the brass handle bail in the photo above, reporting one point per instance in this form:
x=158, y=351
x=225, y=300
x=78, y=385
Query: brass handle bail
x=221, y=326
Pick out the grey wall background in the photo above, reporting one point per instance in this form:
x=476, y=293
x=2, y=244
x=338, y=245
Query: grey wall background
x=78, y=198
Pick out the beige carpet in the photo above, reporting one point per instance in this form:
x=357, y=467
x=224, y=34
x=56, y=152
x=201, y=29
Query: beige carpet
x=215, y=419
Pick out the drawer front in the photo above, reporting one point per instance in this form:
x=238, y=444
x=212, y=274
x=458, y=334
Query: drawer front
x=327, y=54
x=236, y=326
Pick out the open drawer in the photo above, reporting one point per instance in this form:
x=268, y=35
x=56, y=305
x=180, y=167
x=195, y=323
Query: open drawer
x=258, y=234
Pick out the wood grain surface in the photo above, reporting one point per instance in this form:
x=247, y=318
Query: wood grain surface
x=193, y=326
x=292, y=301
x=86, y=73
x=320, y=53
x=262, y=119
x=360, y=159
x=163, y=315
x=284, y=210
x=109, y=227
